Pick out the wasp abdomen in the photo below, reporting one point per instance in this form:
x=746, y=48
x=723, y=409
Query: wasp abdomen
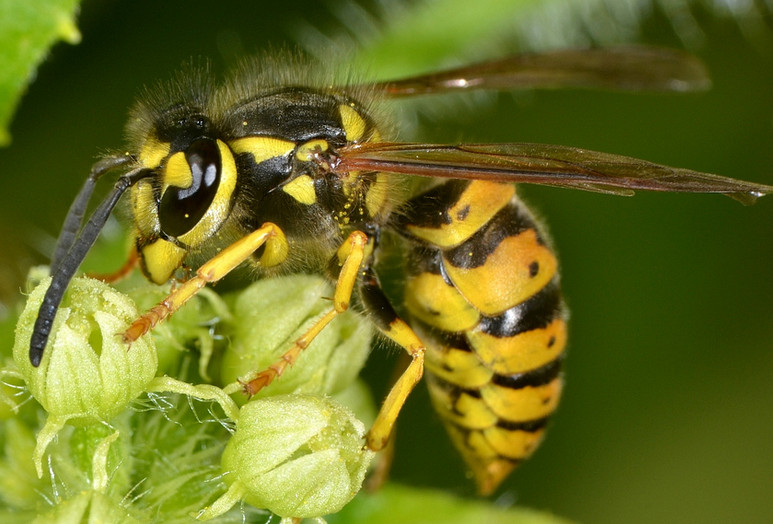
x=483, y=292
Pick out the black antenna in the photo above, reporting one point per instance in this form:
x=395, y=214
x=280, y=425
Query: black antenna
x=74, y=220
x=76, y=248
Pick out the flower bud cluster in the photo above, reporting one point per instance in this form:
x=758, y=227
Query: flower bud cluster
x=292, y=450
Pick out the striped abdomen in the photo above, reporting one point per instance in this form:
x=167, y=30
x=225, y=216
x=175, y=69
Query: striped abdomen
x=483, y=293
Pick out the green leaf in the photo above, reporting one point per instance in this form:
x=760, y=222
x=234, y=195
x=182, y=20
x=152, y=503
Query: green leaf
x=27, y=32
x=396, y=503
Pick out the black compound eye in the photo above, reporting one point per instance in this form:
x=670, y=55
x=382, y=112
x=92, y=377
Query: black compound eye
x=181, y=208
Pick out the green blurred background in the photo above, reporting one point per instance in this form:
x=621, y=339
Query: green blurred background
x=668, y=410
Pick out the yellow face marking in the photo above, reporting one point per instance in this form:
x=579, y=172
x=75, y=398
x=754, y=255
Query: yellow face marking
x=529, y=267
x=153, y=152
x=520, y=353
x=177, y=172
x=353, y=123
x=144, y=208
x=527, y=403
x=476, y=206
x=302, y=190
x=262, y=148
x=161, y=259
x=431, y=300
x=306, y=151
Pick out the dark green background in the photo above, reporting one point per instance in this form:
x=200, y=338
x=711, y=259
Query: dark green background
x=668, y=410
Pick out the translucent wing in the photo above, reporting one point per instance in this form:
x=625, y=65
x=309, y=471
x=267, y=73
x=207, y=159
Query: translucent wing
x=550, y=165
x=630, y=68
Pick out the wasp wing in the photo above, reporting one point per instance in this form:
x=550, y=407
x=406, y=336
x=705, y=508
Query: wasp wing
x=629, y=68
x=544, y=164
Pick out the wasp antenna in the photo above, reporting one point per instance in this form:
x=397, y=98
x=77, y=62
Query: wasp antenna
x=80, y=246
x=74, y=220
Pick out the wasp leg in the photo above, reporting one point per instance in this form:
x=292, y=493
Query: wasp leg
x=351, y=254
x=401, y=333
x=213, y=270
x=122, y=272
x=380, y=470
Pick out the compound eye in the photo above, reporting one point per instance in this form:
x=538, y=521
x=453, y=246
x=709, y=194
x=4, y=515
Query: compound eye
x=193, y=178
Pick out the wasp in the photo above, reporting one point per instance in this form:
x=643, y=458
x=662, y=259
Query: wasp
x=284, y=170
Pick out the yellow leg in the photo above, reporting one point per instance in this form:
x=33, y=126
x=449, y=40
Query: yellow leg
x=380, y=471
x=351, y=253
x=402, y=334
x=212, y=271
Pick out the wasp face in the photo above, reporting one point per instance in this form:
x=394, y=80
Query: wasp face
x=278, y=143
x=190, y=195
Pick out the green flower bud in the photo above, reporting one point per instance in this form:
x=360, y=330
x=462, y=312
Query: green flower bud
x=88, y=373
x=298, y=456
x=271, y=314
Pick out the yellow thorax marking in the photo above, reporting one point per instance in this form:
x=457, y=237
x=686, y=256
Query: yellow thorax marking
x=307, y=150
x=301, y=189
x=377, y=194
x=262, y=148
x=353, y=123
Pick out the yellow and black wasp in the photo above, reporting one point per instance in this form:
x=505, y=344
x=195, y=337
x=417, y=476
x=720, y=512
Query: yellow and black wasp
x=283, y=170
